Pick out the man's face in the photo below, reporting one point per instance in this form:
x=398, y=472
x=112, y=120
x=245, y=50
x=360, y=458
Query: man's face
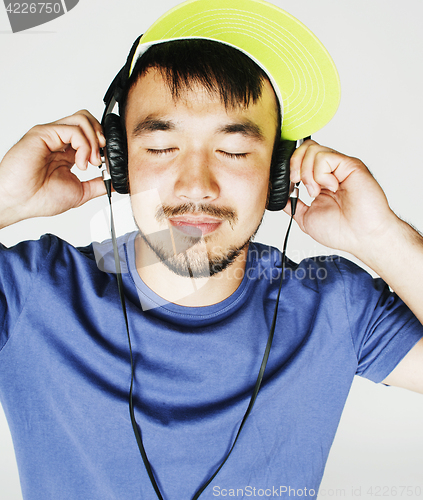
x=198, y=173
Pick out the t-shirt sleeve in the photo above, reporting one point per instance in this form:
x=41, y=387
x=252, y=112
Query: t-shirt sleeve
x=19, y=267
x=383, y=328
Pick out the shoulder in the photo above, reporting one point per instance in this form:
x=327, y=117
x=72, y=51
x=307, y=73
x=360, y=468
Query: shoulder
x=329, y=269
x=29, y=255
x=51, y=251
x=317, y=272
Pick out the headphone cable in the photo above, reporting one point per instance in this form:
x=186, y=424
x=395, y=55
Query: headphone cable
x=135, y=427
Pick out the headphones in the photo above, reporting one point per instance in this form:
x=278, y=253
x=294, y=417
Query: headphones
x=116, y=155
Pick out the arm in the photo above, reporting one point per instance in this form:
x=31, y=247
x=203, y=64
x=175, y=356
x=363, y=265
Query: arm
x=350, y=212
x=407, y=282
x=35, y=175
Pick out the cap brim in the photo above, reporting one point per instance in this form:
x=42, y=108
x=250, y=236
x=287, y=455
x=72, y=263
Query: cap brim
x=300, y=69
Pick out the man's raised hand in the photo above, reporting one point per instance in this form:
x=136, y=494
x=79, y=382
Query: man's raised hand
x=349, y=210
x=35, y=175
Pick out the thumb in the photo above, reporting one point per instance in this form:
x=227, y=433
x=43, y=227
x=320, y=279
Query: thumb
x=92, y=188
x=300, y=211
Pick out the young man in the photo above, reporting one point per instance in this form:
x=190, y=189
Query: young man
x=200, y=155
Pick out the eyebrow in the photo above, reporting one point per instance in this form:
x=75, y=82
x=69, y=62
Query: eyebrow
x=151, y=124
x=246, y=128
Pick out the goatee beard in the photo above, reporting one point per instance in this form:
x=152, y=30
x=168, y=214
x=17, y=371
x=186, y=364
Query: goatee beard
x=187, y=255
x=191, y=263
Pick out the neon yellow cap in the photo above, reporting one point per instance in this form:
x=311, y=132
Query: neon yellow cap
x=299, y=67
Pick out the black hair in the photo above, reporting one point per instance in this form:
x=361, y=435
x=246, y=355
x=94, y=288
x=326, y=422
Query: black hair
x=217, y=67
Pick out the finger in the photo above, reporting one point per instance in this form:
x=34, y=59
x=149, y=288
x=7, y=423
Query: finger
x=84, y=114
x=66, y=156
x=92, y=189
x=56, y=138
x=307, y=170
x=297, y=159
x=96, y=126
x=325, y=164
x=317, y=169
x=92, y=130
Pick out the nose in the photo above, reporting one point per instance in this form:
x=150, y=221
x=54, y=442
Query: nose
x=196, y=181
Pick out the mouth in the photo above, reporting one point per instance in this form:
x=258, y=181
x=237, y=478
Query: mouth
x=195, y=226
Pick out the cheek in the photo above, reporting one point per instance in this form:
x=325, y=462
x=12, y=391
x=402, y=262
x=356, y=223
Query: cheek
x=144, y=175
x=146, y=192
x=251, y=190
x=146, y=199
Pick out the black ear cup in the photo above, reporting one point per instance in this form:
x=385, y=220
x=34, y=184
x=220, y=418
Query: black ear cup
x=279, y=175
x=116, y=152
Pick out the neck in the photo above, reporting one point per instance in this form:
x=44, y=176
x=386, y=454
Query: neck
x=187, y=291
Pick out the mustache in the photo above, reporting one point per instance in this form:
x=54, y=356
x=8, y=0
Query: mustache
x=224, y=213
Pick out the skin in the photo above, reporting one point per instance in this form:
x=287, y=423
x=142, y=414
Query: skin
x=215, y=160
x=36, y=175
x=349, y=211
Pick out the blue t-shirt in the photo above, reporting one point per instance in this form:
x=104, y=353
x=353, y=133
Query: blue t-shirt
x=64, y=373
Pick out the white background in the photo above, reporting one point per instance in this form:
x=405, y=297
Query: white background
x=55, y=69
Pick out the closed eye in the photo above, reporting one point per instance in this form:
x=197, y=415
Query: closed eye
x=235, y=156
x=161, y=151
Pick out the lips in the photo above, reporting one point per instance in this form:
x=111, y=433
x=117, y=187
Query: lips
x=195, y=226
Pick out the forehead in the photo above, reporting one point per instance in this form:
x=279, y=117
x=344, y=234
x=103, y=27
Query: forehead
x=152, y=95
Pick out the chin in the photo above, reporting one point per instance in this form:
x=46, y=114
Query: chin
x=195, y=257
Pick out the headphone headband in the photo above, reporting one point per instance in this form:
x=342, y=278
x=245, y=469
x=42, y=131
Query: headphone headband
x=114, y=93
